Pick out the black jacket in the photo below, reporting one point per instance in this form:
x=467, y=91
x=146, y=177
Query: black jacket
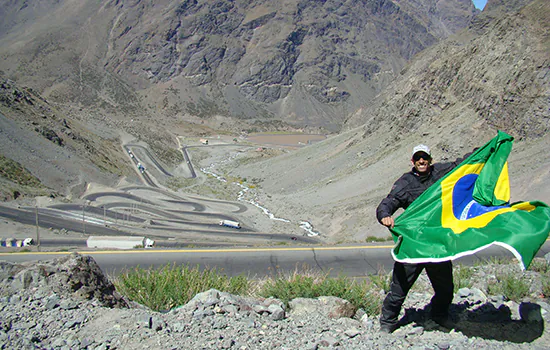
x=411, y=185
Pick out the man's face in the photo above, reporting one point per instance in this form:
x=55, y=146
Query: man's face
x=421, y=162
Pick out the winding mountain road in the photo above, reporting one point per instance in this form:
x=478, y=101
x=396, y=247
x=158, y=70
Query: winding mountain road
x=182, y=221
x=151, y=211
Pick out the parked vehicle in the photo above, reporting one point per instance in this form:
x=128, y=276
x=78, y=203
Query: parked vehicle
x=230, y=223
x=141, y=167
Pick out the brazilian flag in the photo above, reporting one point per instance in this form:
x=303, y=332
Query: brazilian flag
x=469, y=210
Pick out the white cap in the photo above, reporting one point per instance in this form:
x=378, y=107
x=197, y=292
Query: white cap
x=421, y=148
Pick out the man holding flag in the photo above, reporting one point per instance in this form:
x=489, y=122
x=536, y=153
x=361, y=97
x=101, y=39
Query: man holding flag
x=452, y=210
x=405, y=190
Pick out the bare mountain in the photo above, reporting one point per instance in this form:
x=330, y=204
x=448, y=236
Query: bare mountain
x=42, y=145
x=453, y=96
x=72, y=99
x=299, y=62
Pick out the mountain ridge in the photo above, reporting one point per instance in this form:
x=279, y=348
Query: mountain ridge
x=453, y=96
x=304, y=63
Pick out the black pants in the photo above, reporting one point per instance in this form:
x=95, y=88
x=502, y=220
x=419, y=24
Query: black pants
x=404, y=276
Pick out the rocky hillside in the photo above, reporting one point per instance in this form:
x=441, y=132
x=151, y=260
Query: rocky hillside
x=452, y=96
x=42, y=144
x=498, y=78
x=64, y=151
x=69, y=303
x=297, y=62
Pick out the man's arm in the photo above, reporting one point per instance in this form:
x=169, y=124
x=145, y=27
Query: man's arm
x=391, y=203
x=385, y=210
x=444, y=168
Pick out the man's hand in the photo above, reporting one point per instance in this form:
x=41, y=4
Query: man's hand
x=387, y=221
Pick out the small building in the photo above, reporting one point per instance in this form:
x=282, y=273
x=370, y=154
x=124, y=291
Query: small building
x=204, y=141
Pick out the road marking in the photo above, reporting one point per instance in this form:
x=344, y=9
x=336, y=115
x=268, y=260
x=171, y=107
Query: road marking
x=238, y=250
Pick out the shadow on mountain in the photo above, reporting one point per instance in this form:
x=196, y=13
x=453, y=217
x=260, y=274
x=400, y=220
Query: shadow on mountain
x=485, y=321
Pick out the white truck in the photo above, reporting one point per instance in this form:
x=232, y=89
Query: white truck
x=230, y=223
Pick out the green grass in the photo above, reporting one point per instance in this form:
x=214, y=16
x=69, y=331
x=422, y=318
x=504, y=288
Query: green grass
x=510, y=286
x=378, y=239
x=540, y=266
x=172, y=286
x=462, y=277
x=360, y=294
x=494, y=260
x=545, y=291
x=15, y=172
x=382, y=280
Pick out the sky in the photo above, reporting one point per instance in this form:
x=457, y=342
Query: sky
x=480, y=4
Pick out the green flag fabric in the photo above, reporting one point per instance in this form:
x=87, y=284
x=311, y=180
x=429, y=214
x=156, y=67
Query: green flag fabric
x=469, y=210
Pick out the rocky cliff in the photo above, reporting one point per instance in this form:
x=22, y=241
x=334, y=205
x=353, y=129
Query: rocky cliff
x=498, y=77
x=306, y=63
x=454, y=96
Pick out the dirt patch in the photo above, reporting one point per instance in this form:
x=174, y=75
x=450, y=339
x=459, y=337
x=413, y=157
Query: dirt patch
x=290, y=140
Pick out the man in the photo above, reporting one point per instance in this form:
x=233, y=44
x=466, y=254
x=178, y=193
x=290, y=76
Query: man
x=405, y=190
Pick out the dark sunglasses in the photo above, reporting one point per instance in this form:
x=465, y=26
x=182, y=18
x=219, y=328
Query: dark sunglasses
x=417, y=156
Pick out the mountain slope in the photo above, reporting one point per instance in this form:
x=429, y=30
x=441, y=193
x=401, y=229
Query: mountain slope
x=453, y=96
x=55, y=154
x=303, y=62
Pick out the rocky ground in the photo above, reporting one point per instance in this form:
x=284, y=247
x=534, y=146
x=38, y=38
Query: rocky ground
x=69, y=303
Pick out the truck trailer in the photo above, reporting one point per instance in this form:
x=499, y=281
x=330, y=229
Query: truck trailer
x=230, y=223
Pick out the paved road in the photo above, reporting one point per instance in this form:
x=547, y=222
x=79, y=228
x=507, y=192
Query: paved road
x=47, y=218
x=143, y=174
x=188, y=161
x=163, y=215
x=151, y=157
x=352, y=261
